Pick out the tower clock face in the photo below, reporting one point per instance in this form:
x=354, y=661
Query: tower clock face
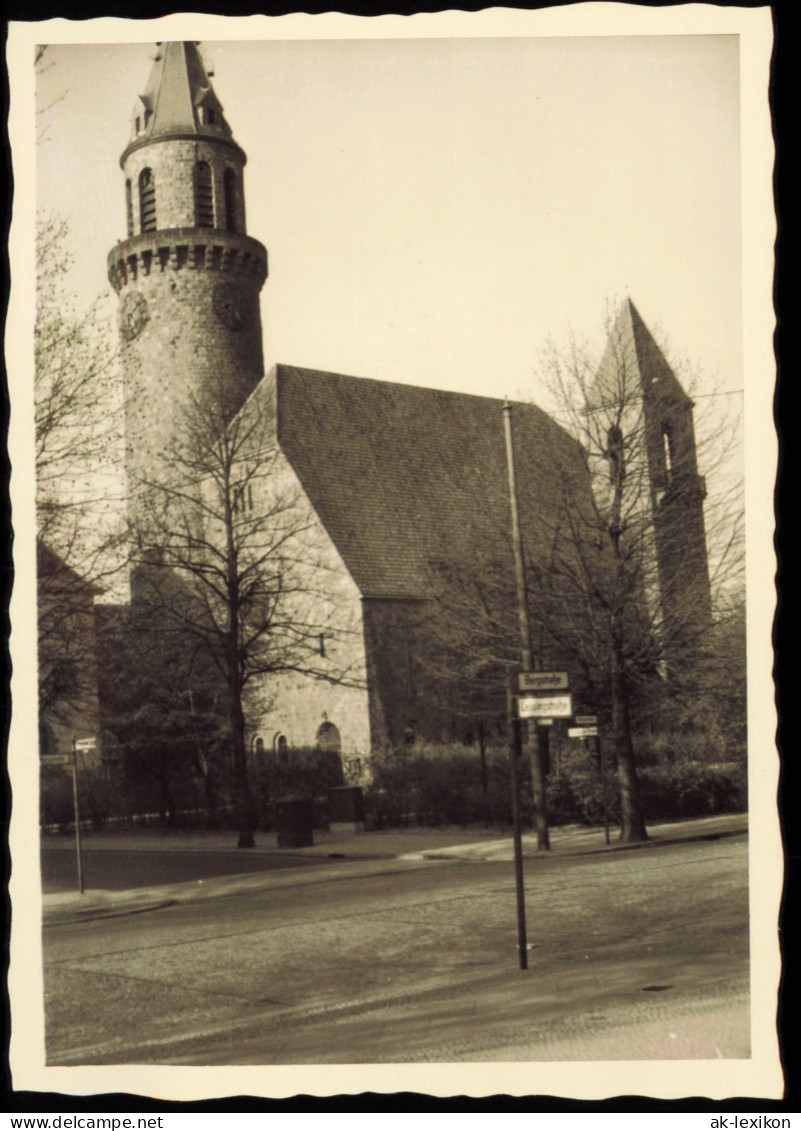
x=230, y=304
x=133, y=315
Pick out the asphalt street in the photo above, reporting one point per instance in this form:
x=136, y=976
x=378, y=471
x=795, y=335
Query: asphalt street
x=633, y=955
x=115, y=869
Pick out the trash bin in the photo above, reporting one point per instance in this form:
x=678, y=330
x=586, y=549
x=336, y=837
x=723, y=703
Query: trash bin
x=294, y=822
x=346, y=809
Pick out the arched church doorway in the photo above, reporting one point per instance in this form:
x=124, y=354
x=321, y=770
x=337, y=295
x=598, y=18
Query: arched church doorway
x=328, y=738
x=329, y=746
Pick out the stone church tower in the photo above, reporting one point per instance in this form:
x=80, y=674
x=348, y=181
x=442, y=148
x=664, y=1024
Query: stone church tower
x=187, y=274
x=676, y=489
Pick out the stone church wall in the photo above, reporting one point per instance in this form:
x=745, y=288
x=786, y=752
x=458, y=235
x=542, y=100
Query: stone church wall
x=290, y=708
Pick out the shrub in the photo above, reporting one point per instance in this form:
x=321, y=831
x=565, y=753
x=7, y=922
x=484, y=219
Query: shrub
x=693, y=789
x=437, y=788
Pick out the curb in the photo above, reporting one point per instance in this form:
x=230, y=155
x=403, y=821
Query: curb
x=71, y=914
x=54, y=915
x=603, y=849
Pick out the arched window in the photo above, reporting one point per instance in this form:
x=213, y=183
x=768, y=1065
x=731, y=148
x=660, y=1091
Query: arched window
x=129, y=207
x=667, y=443
x=229, y=190
x=147, y=201
x=281, y=747
x=204, y=202
x=47, y=740
x=616, y=454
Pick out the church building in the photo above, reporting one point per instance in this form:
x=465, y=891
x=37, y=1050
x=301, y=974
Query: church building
x=406, y=486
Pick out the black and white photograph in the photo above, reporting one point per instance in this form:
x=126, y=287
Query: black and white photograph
x=392, y=475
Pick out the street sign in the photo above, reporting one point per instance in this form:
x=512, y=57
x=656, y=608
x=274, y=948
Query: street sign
x=586, y=720
x=543, y=681
x=85, y=743
x=57, y=760
x=582, y=732
x=544, y=706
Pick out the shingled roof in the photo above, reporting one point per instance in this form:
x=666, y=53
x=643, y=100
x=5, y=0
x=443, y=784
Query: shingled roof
x=406, y=479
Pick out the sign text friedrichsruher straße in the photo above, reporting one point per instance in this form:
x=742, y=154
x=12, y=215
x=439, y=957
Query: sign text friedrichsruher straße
x=544, y=706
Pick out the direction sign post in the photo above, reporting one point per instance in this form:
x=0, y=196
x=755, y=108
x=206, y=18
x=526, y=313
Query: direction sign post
x=515, y=751
x=545, y=706
x=57, y=760
x=77, y=812
x=543, y=681
x=602, y=772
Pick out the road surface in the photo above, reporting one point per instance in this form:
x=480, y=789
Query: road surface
x=636, y=955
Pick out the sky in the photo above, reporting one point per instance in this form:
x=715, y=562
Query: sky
x=437, y=209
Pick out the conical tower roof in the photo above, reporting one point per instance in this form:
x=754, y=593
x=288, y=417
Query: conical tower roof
x=179, y=100
x=634, y=365
x=655, y=373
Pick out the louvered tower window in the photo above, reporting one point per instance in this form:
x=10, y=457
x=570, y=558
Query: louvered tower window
x=204, y=202
x=129, y=207
x=229, y=188
x=147, y=201
x=669, y=450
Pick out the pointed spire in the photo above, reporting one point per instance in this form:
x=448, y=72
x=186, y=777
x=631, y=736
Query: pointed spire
x=179, y=100
x=634, y=365
x=656, y=374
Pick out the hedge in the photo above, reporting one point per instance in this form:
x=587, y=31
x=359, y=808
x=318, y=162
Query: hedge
x=447, y=789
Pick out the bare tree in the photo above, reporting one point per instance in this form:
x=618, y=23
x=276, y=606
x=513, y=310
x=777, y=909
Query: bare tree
x=244, y=569
x=78, y=488
x=42, y=64
x=636, y=581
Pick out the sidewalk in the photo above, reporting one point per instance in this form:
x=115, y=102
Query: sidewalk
x=367, y=850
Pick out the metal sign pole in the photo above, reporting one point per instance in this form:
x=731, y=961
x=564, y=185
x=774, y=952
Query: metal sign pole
x=77, y=815
x=515, y=750
x=602, y=772
x=537, y=768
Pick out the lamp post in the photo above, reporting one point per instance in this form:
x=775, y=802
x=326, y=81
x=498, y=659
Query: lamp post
x=538, y=774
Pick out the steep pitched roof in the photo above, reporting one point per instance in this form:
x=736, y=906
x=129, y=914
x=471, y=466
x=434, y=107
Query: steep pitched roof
x=407, y=478
x=177, y=92
x=57, y=577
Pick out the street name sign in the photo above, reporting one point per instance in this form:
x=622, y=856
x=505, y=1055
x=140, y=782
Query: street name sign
x=85, y=743
x=543, y=681
x=586, y=720
x=57, y=760
x=544, y=706
x=582, y=732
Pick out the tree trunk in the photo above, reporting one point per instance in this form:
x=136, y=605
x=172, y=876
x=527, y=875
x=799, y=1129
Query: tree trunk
x=167, y=802
x=482, y=750
x=632, y=824
x=538, y=787
x=243, y=799
x=244, y=809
